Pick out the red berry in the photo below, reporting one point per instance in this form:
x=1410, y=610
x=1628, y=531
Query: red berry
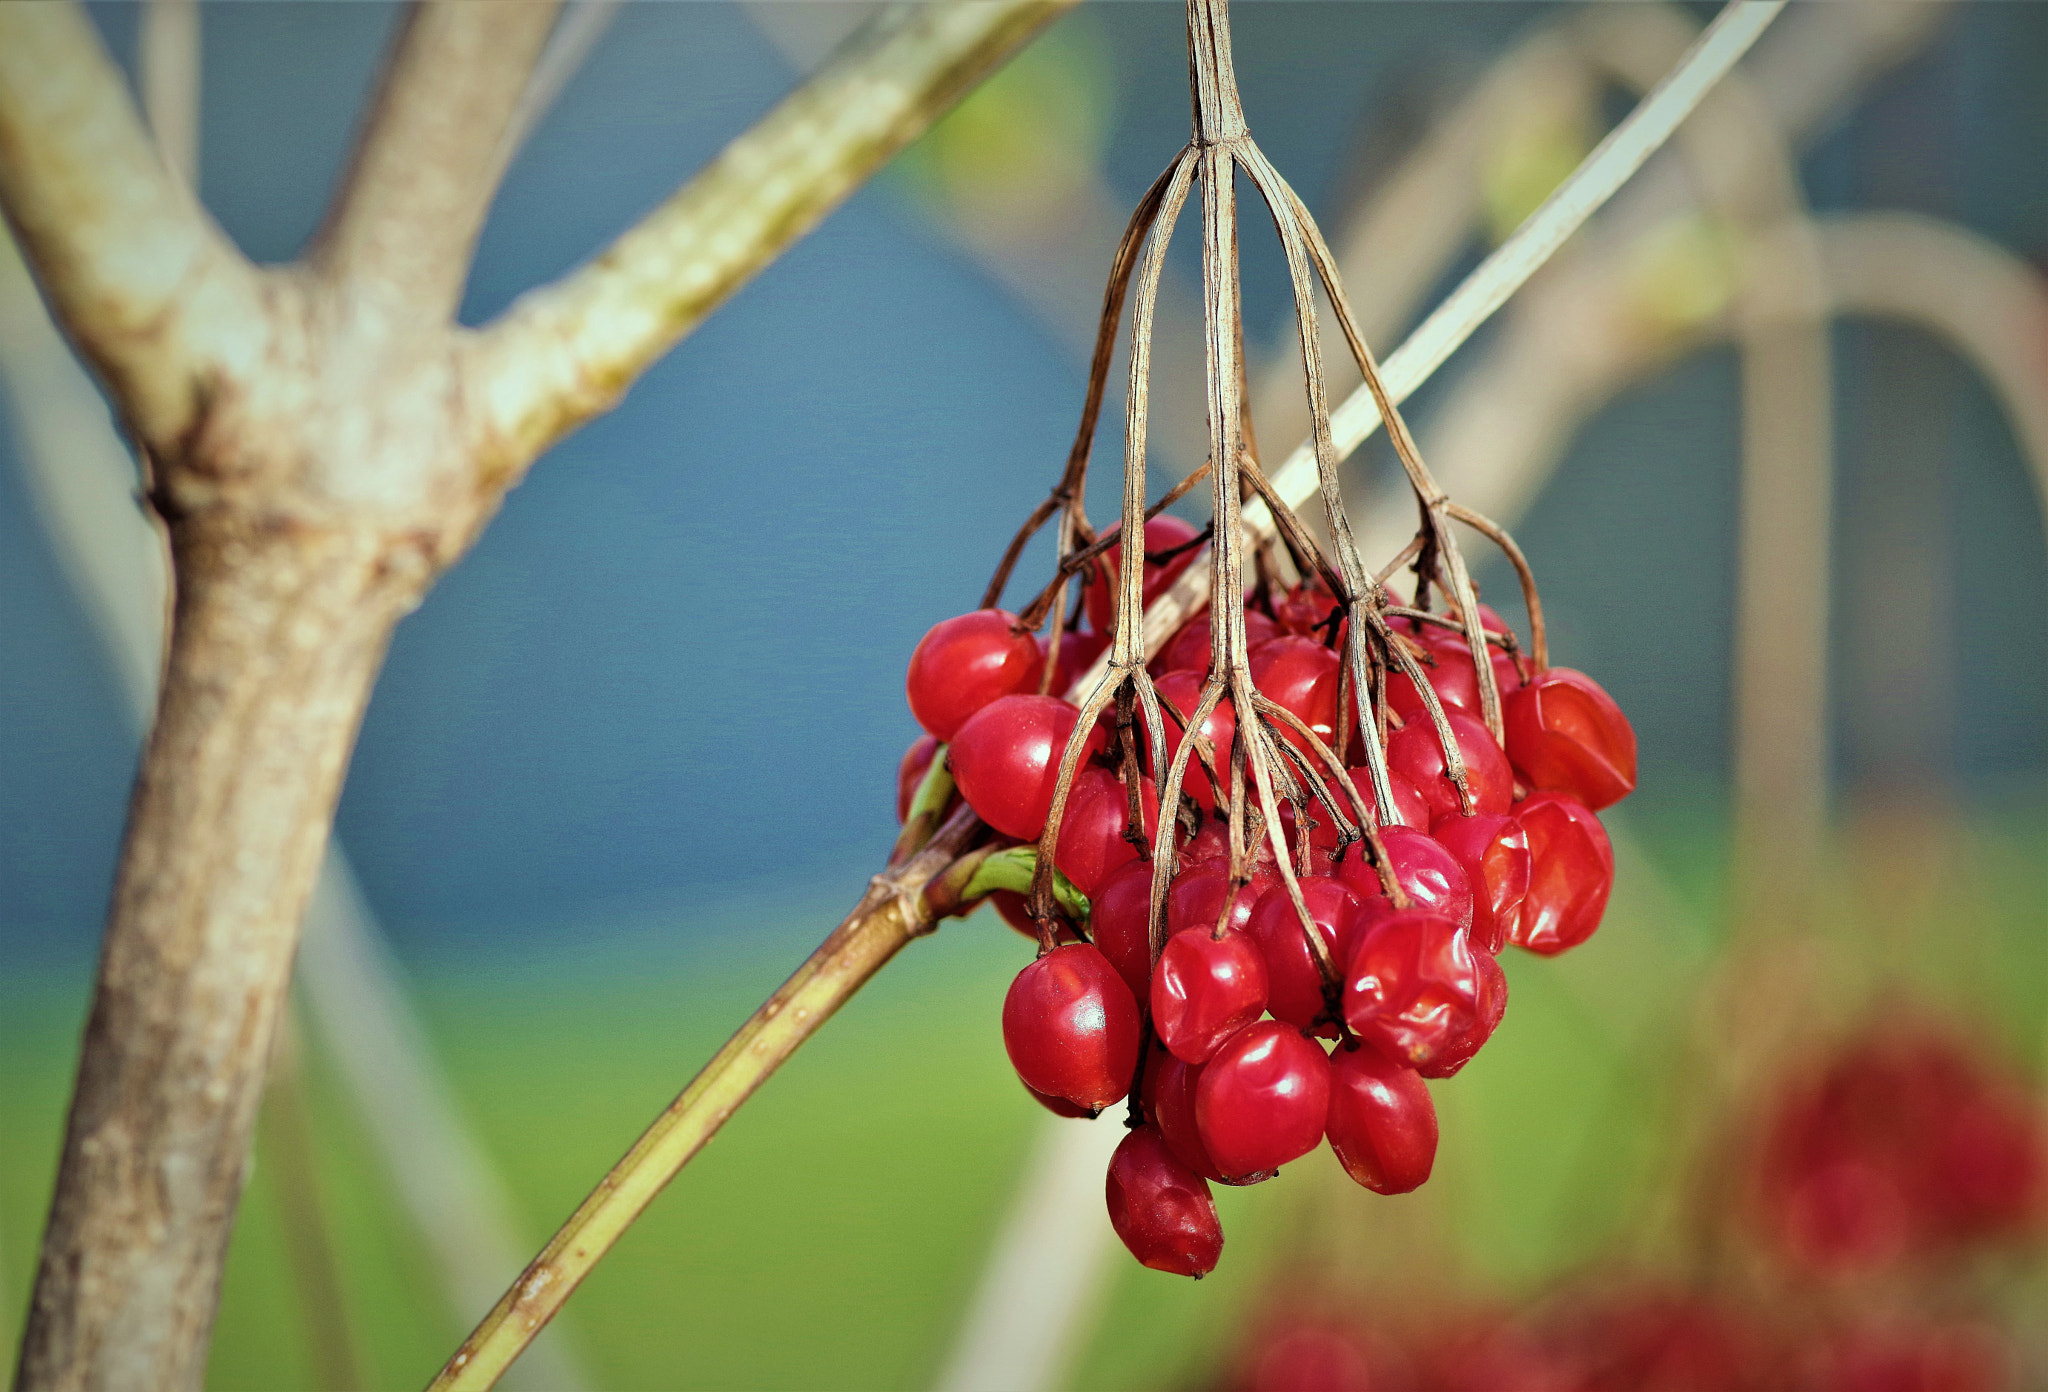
x=1494, y=852
x=1412, y=986
x=1011, y=908
x=1493, y=1008
x=1092, y=842
x=917, y=762
x=1571, y=871
x=1071, y=1027
x=1197, y=894
x=1294, y=987
x=1163, y=533
x=965, y=662
x=1170, y=1105
x=1078, y=652
x=1190, y=649
x=1452, y=677
x=1204, y=990
x=1417, y=752
x=1006, y=759
x=1431, y=876
x=1263, y=1098
x=1305, y=608
x=1162, y=1209
x=1184, y=690
x=1119, y=918
x=1058, y=1106
x=1382, y=1123
x=1300, y=675
x=1409, y=807
x=1566, y=735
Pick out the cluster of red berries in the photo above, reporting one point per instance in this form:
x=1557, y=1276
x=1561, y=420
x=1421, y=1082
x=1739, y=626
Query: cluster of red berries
x=1226, y=1020
x=1903, y=1148
x=1621, y=1334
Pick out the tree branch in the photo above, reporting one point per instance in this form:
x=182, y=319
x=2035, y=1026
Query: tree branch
x=567, y=351
x=430, y=155
x=144, y=284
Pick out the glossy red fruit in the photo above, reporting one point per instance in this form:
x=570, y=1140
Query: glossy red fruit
x=1170, y=1106
x=1451, y=676
x=1294, y=987
x=1204, y=990
x=1011, y=909
x=917, y=761
x=1071, y=1027
x=1006, y=760
x=1078, y=652
x=1382, y=1123
x=1184, y=690
x=1163, y=533
x=1118, y=918
x=1493, y=1007
x=1417, y=753
x=1430, y=874
x=1162, y=1209
x=1299, y=674
x=1304, y=610
x=965, y=662
x=1262, y=1100
x=1197, y=894
x=1092, y=843
x=1409, y=807
x=1571, y=871
x=1190, y=649
x=1566, y=735
x=1412, y=986
x=1058, y=1106
x=1494, y=853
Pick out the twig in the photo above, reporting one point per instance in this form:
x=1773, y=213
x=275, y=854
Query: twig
x=888, y=917
x=1596, y=180
x=564, y=353
x=430, y=157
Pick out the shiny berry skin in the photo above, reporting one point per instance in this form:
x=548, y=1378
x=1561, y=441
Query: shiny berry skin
x=1494, y=852
x=1299, y=674
x=1262, y=1100
x=1571, y=872
x=1382, y=1123
x=965, y=662
x=1294, y=988
x=1412, y=986
x=917, y=762
x=1092, y=843
x=1170, y=1106
x=1409, y=807
x=1416, y=752
x=1184, y=690
x=1059, y=1106
x=1452, y=677
x=1162, y=533
x=1493, y=1008
x=1118, y=919
x=1192, y=647
x=1162, y=1209
x=1430, y=874
x=1304, y=609
x=1006, y=760
x=1196, y=896
x=1071, y=1027
x=1078, y=652
x=1204, y=990
x=1566, y=735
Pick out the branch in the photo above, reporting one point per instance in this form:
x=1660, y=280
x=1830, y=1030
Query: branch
x=567, y=351
x=146, y=286
x=895, y=910
x=431, y=154
x=1598, y=178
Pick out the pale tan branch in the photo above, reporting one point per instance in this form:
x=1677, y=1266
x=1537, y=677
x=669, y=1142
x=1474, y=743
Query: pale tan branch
x=430, y=155
x=565, y=352
x=145, y=285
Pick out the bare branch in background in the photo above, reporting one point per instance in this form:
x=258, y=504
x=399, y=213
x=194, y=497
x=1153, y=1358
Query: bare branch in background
x=566, y=352
x=405, y=222
x=168, y=74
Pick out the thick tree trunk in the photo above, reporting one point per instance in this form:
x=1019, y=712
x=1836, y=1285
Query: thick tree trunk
x=277, y=636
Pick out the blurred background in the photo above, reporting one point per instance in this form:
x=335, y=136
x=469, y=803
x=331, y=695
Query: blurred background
x=1773, y=431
